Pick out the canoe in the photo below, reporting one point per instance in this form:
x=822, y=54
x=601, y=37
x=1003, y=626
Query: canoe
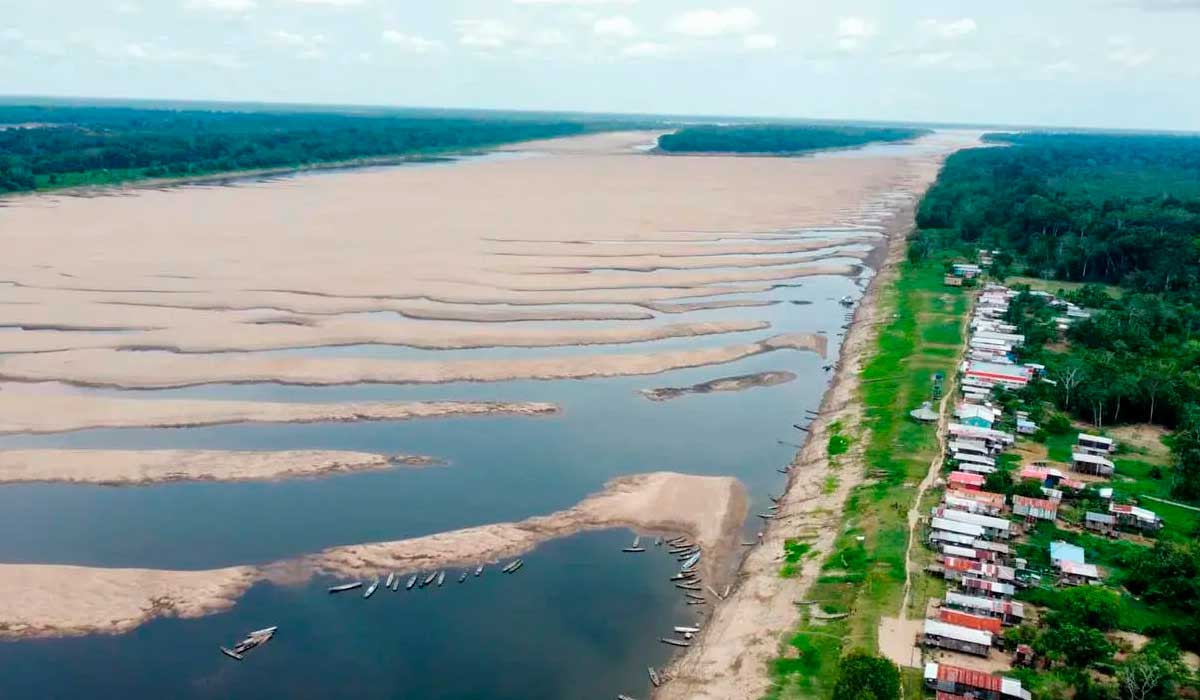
x=654, y=679
x=412, y=581
x=441, y=578
x=391, y=577
x=345, y=587
x=371, y=589
x=634, y=549
x=674, y=642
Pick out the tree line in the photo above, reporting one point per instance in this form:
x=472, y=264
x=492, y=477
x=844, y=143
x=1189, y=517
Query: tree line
x=57, y=145
x=777, y=139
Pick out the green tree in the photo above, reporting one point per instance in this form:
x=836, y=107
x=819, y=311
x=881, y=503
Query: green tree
x=863, y=676
x=1088, y=606
x=1073, y=645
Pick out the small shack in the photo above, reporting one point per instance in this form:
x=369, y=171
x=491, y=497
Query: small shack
x=1095, y=444
x=1010, y=612
x=1135, y=518
x=958, y=682
x=1100, y=522
x=1035, y=508
x=924, y=414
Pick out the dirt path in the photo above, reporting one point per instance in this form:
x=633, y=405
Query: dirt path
x=897, y=635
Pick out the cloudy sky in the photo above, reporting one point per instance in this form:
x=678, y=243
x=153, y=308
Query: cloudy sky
x=1110, y=63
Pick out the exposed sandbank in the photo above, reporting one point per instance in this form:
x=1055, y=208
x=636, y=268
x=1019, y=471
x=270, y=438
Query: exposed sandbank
x=738, y=383
x=154, y=370
x=38, y=412
x=140, y=467
x=110, y=601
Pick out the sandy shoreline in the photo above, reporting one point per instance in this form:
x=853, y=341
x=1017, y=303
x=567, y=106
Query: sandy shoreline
x=36, y=412
x=159, y=370
x=738, y=383
x=710, y=510
x=141, y=467
x=732, y=656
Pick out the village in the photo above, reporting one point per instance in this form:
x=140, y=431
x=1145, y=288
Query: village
x=995, y=501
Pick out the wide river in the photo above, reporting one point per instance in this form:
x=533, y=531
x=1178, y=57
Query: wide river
x=580, y=620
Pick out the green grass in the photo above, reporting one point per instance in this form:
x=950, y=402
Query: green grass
x=864, y=575
x=838, y=445
x=1057, y=286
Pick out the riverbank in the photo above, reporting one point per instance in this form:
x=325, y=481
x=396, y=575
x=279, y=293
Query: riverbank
x=745, y=651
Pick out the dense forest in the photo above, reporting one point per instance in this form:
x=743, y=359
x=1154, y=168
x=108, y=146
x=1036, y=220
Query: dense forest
x=777, y=139
x=1120, y=213
x=52, y=146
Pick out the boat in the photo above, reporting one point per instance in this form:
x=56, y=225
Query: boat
x=371, y=589
x=252, y=640
x=391, y=577
x=441, y=578
x=513, y=566
x=345, y=587
x=396, y=583
x=658, y=541
x=687, y=630
x=692, y=561
x=768, y=516
x=232, y=654
x=478, y=570
x=693, y=596
x=634, y=549
x=463, y=577
x=846, y=301
x=654, y=679
x=637, y=539
x=674, y=642
x=412, y=581
x=624, y=697
x=429, y=579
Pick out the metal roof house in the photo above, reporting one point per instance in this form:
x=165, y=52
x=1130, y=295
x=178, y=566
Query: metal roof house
x=990, y=589
x=1134, y=516
x=975, y=415
x=964, y=682
x=1091, y=464
x=1010, y=612
x=965, y=480
x=956, y=638
x=996, y=527
x=1035, y=508
x=1100, y=522
x=995, y=374
x=957, y=528
x=1065, y=551
x=984, y=623
x=1094, y=444
x=1073, y=574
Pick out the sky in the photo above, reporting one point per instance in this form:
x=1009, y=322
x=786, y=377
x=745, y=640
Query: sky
x=1087, y=63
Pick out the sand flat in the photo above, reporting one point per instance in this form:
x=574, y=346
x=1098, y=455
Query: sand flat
x=23, y=411
x=156, y=370
x=140, y=467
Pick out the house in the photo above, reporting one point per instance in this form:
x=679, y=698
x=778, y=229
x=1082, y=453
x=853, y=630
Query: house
x=1065, y=551
x=1100, y=522
x=1035, y=508
x=984, y=502
x=959, y=552
x=974, y=463
x=946, y=536
x=965, y=480
x=989, y=589
x=996, y=440
x=1096, y=465
x=1135, y=517
x=954, y=568
x=994, y=528
x=946, y=636
x=975, y=415
x=995, y=374
x=1010, y=612
x=997, y=552
x=1026, y=426
x=972, y=621
x=952, y=281
x=956, y=681
x=966, y=270
x=1094, y=444
x=979, y=448
x=953, y=527
x=1072, y=574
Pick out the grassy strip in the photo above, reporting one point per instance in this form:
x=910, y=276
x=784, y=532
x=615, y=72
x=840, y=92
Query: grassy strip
x=864, y=575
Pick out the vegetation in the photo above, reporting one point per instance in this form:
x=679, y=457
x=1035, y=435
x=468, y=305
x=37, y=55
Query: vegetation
x=45, y=146
x=864, y=676
x=1091, y=211
x=777, y=139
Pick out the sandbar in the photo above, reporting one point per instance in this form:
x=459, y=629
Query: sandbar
x=141, y=467
x=112, y=601
x=738, y=383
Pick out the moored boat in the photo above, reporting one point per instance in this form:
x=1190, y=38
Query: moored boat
x=345, y=587
x=371, y=589
x=441, y=578
x=412, y=581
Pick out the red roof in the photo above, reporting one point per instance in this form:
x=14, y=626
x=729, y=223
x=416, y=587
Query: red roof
x=968, y=677
x=958, y=564
x=975, y=622
x=943, y=695
x=966, y=478
x=1041, y=503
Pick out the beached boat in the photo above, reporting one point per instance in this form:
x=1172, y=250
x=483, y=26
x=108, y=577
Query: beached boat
x=345, y=587
x=654, y=679
x=693, y=596
x=687, y=630
x=674, y=642
x=412, y=581
x=371, y=589
x=478, y=570
x=441, y=578
x=391, y=578
x=429, y=579
x=692, y=561
x=513, y=566
x=846, y=301
x=395, y=583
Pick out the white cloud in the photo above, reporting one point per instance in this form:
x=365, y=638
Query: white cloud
x=484, y=33
x=619, y=27
x=156, y=52
x=760, y=42
x=852, y=32
x=709, y=23
x=222, y=5
x=327, y=3
x=932, y=58
x=574, y=2
x=949, y=29
x=1124, y=53
x=646, y=49
x=411, y=42
x=1060, y=68
x=306, y=45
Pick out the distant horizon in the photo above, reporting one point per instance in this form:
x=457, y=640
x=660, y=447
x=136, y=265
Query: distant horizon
x=207, y=104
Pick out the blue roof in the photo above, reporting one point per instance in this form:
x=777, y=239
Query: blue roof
x=1065, y=551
